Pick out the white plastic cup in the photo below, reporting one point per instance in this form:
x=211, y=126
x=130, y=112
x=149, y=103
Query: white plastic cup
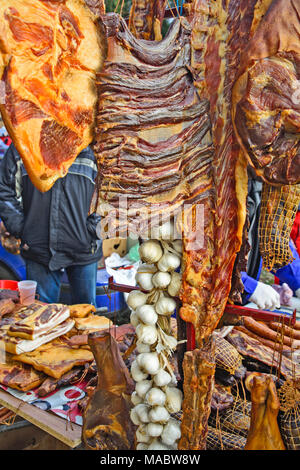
x=27, y=290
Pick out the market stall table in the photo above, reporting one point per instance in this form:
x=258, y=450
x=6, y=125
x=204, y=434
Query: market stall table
x=64, y=431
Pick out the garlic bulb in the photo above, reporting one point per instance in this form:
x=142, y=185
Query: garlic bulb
x=161, y=280
x=135, y=399
x=141, y=434
x=165, y=305
x=146, y=314
x=163, y=232
x=136, y=372
x=173, y=399
x=162, y=378
x=148, y=362
x=150, y=251
x=159, y=414
x=134, y=320
x=141, y=446
x=136, y=299
x=146, y=333
x=142, y=347
x=168, y=262
x=177, y=245
x=143, y=387
x=175, y=284
x=144, y=276
x=154, y=429
x=142, y=412
x=155, y=396
x=171, y=432
x=167, y=341
x=157, y=445
x=135, y=417
x=145, y=281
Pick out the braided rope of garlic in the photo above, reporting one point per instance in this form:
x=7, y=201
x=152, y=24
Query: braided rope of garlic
x=156, y=396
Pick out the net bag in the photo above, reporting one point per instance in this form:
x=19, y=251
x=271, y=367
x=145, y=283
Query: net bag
x=289, y=414
x=230, y=421
x=221, y=440
x=227, y=357
x=277, y=214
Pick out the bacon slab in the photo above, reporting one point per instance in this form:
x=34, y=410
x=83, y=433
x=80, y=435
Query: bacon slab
x=19, y=376
x=49, y=53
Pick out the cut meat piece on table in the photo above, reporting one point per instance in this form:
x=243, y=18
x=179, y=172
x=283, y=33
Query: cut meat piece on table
x=9, y=294
x=56, y=358
x=107, y=424
x=41, y=321
x=252, y=348
x=264, y=433
x=49, y=54
x=81, y=310
x=19, y=376
x=51, y=384
x=15, y=345
x=18, y=314
x=6, y=306
x=92, y=322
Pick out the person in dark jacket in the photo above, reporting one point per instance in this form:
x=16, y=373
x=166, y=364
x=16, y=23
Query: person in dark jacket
x=56, y=231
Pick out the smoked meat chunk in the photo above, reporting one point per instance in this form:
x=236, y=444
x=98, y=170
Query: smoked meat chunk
x=49, y=54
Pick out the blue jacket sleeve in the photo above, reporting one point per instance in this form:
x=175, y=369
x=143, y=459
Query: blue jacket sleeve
x=290, y=273
x=11, y=211
x=250, y=283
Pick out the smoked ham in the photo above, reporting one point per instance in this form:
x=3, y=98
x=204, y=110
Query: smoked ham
x=264, y=433
x=106, y=423
x=49, y=54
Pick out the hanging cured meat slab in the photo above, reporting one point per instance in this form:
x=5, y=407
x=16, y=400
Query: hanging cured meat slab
x=49, y=53
x=266, y=98
x=164, y=139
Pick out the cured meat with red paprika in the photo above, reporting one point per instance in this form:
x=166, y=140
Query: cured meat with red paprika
x=49, y=53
